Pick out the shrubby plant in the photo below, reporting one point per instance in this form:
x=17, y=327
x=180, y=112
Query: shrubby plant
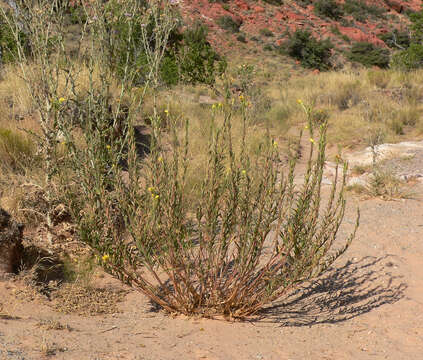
x=312, y=53
x=226, y=22
x=369, y=55
x=361, y=10
x=328, y=8
x=411, y=57
x=11, y=40
x=198, y=61
x=248, y=239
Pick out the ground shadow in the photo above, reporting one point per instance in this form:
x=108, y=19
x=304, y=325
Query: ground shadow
x=340, y=294
x=142, y=140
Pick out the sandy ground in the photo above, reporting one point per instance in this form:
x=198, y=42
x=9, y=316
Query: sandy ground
x=369, y=306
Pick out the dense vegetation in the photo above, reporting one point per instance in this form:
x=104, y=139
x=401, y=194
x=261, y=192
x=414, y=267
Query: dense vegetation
x=244, y=235
x=312, y=53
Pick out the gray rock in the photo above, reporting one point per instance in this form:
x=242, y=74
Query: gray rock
x=358, y=181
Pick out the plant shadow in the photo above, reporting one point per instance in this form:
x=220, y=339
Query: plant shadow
x=340, y=294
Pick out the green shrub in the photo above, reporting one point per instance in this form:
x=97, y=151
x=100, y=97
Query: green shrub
x=188, y=56
x=417, y=26
x=304, y=3
x=227, y=23
x=266, y=32
x=369, y=55
x=412, y=57
x=409, y=59
x=76, y=13
x=328, y=8
x=274, y=2
x=8, y=46
x=361, y=11
x=268, y=47
x=198, y=61
x=241, y=38
x=312, y=53
x=396, y=39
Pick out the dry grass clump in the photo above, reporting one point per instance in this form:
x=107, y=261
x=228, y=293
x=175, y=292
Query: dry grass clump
x=51, y=324
x=356, y=101
x=84, y=300
x=384, y=184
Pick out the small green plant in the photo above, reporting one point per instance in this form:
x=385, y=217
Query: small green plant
x=411, y=58
x=227, y=23
x=361, y=11
x=268, y=47
x=396, y=39
x=369, y=55
x=304, y=3
x=241, y=38
x=274, y=2
x=312, y=53
x=12, y=41
x=328, y=8
x=266, y=32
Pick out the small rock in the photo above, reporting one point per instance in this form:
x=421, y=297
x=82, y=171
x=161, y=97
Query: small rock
x=357, y=181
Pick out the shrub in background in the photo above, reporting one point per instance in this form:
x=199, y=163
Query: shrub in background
x=198, y=61
x=266, y=32
x=328, y=8
x=369, y=55
x=361, y=11
x=227, y=23
x=8, y=40
x=312, y=53
x=396, y=39
x=411, y=58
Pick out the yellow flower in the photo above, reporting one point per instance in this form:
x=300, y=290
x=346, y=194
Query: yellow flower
x=241, y=97
x=63, y=142
x=312, y=140
x=275, y=144
x=156, y=197
x=160, y=159
x=220, y=105
x=108, y=147
x=150, y=189
x=166, y=112
x=61, y=100
x=214, y=106
x=299, y=101
x=105, y=257
x=243, y=172
x=306, y=127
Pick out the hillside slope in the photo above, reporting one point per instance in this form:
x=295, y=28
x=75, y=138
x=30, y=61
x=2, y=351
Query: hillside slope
x=259, y=22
